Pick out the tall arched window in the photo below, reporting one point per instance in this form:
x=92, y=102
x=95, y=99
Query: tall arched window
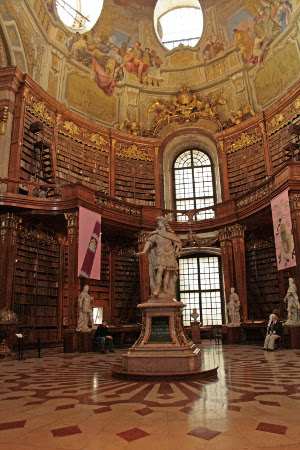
x=193, y=181
x=200, y=287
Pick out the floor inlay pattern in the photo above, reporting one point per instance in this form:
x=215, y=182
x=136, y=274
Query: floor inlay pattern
x=71, y=401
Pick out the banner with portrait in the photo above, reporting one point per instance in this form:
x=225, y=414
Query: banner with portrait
x=282, y=224
x=89, y=244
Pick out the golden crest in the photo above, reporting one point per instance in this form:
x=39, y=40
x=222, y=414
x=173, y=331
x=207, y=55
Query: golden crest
x=244, y=141
x=133, y=152
x=71, y=128
x=98, y=140
x=39, y=110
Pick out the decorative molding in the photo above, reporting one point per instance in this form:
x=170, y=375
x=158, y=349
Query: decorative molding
x=72, y=218
x=39, y=234
x=3, y=119
x=237, y=230
x=133, y=152
x=39, y=110
x=255, y=196
x=117, y=206
x=245, y=140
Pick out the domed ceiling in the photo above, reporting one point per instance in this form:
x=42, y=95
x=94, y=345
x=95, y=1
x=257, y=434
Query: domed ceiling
x=249, y=53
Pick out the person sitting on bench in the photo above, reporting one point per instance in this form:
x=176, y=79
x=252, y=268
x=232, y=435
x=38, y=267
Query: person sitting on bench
x=275, y=331
x=101, y=335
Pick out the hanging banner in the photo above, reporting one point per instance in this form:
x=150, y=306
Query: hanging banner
x=89, y=244
x=282, y=224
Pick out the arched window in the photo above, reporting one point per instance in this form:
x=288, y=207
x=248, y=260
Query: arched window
x=200, y=287
x=193, y=181
x=179, y=22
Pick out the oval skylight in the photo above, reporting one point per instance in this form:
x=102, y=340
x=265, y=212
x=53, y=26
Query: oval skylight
x=178, y=22
x=79, y=15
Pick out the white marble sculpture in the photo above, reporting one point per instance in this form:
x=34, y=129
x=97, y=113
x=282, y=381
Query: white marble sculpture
x=293, y=305
x=233, y=307
x=85, y=304
x=194, y=314
x=164, y=250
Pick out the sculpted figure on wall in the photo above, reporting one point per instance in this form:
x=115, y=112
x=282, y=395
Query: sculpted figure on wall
x=164, y=249
x=132, y=127
x=293, y=305
x=85, y=304
x=234, y=309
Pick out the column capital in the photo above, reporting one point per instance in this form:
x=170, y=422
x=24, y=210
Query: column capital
x=9, y=220
x=72, y=218
x=237, y=230
x=294, y=201
x=224, y=234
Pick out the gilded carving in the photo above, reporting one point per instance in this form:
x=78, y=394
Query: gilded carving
x=3, y=119
x=133, y=152
x=37, y=234
x=185, y=106
x=72, y=218
x=132, y=127
x=241, y=114
x=71, y=128
x=192, y=240
x=39, y=110
x=115, y=205
x=9, y=220
x=244, y=140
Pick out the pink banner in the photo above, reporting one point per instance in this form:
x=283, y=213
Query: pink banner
x=89, y=244
x=282, y=224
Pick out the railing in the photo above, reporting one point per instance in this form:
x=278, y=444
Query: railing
x=11, y=187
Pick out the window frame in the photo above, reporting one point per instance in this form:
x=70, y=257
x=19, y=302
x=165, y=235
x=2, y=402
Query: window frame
x=199, y=255
x=212, y=173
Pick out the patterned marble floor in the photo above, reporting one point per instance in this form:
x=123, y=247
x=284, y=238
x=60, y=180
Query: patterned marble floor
x=71, y=402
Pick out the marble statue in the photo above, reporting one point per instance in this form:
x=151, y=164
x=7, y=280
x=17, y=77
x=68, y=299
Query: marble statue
x=85, y=304
x=293, y=305
x=164, y=249
x=234, y=309
x=194, y=314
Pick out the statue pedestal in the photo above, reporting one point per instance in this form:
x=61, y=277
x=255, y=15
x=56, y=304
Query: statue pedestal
x=295, y=336
x=163, y=349
x=195, y=332
x=233, y=335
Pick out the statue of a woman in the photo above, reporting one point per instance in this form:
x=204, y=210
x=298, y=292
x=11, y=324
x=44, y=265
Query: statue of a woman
x=85, y=304
x=234, y=308
x=293, y=305
x=164, y=250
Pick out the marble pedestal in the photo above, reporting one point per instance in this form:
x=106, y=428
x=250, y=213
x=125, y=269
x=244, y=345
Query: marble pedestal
x=233, y=335
x=163, y=349
x=195, y=332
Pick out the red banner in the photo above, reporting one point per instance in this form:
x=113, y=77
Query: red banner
x=89, y=244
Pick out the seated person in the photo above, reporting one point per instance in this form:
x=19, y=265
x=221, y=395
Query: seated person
x=274, y=332
x=101, y=335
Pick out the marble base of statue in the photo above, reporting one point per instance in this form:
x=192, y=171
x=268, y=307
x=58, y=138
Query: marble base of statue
x=195, y=332
x=162, y=349
x=294, y=329
x=233, y=334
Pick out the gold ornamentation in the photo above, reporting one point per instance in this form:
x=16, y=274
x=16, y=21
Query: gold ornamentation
x=241, y=114
x=39, y=110
x=72, y=218
x=98, y=140
x=186, y=106
x=3, y=119
x=297, y=103
x=133, y=152
x=277, y=120
x=71, y=128
x=37, y=234
x=132, y=127
x=9, y=220
x=244, y=141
